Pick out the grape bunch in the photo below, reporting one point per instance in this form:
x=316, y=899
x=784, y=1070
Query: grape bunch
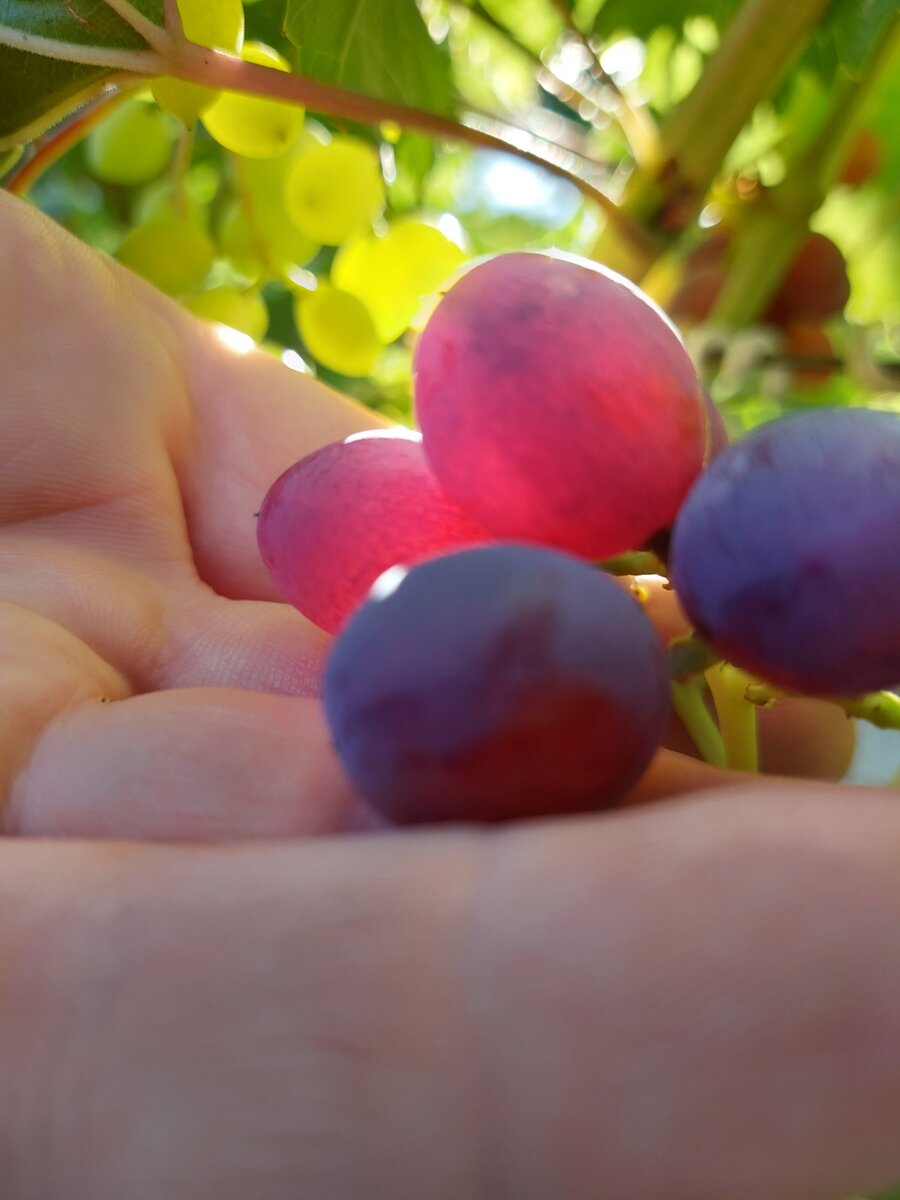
x=246, y=207
x=484, y=667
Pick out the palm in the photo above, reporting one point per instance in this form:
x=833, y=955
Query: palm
x=136, y=447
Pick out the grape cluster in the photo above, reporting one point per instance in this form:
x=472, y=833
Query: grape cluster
x=291, y=194
x=493, y=671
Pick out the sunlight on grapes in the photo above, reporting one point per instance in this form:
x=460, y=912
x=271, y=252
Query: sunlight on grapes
x=251, y=125
x=242, y=310
x=338, y=331
x=335, y=192
x=394, y=274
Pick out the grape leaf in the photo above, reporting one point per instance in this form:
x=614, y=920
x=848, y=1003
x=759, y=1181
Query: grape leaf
x=379, y=47
x=856, y=26
x=641, y=19
x=37, y=83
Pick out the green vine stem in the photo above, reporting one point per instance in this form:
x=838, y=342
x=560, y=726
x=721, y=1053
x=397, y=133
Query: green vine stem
x=737, y=717
x=776, y=226
x=637, y=562
x=881, y=709
x=754, y=54
x=690, y=705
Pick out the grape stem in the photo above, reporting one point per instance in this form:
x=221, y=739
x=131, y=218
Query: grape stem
x=881, y=709
x=54, y=144
x=156, y=38
x=637, y=562
x=172, y=54
x=777, y=225
x=690, y=706
x=216, y=69
x=140, y=62
x=737, y=717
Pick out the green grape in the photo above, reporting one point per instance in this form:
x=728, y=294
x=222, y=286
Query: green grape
x=395, y=274
x=242, y=310
x=256, y=233
x=335, y=192
x=174, y=255
x=132, y=145
x=238, y=241
x=157, y=202
x=337, y=330
x=218, y=24
x=250, y=125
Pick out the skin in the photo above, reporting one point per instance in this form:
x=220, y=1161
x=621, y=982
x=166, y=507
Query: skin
x=692, y=998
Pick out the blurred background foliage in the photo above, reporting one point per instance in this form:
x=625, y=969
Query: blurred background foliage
x=751, y=187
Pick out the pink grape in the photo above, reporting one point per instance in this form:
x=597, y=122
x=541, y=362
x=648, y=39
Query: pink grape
x=333, y=522
x=558, y=404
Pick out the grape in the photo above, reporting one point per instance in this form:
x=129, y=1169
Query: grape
x=496, y=683
x=173, y=255
x=558, y=404
x=335, y=192
x=816, y=285
x=158, y=202
x=394, y=274
x=786, y=554
x=242, y=310
x=341, y=516
x=809, y=341
x=694, y=299
x=252, y=125
x=257, y=233
x=337, y=330
x=218, y=24
x=132, y=145
x=863, y=161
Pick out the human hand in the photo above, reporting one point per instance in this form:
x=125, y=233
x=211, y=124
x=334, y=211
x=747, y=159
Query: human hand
x=698, y=999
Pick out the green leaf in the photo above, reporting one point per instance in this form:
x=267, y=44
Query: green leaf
x=857, y=26
x=641, y=19
x=381, y=48
x=53, y=52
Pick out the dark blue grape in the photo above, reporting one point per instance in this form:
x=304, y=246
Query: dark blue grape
x=786, y=554
x=494, y=683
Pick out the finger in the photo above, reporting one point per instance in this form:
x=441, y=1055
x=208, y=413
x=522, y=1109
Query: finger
x=698, y=1000
x=141, y=410
x=192, y=765
x=81, y=755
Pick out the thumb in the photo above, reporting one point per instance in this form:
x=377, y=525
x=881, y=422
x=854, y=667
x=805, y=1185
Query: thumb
x=692, y=1000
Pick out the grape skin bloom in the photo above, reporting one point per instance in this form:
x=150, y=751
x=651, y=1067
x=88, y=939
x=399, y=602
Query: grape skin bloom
x=333, y=522
x=496, y=683
x=786, y=554
x=558, y=404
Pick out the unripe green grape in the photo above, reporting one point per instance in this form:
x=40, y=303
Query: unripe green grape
x=173, y=255
x=335, y=192
x=238, y=241
x=395, y=274
x=256, y=233
x=250, y=125
x=157, y=202
x=217, y=24
x=132, y=145
x=337, y=330
x=242, y=310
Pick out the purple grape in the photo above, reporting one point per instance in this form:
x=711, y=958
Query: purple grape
x=494, y=683
x=786, y=554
